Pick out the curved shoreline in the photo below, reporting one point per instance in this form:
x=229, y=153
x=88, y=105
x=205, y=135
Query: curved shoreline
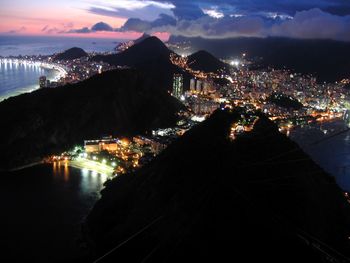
x=57, y=71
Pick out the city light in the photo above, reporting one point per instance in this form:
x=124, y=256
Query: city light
x=235, y=63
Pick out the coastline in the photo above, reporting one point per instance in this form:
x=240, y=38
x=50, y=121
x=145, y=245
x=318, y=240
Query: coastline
x=54, y=73
x=18, y=168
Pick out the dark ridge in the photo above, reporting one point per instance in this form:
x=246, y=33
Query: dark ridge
x=147, y=50
x=204, y=61
x=206, y=198
x=50, y=120
x=70, y=54
x=328, y=60
x=151, y=57
x=285, y=101
x=141, y=38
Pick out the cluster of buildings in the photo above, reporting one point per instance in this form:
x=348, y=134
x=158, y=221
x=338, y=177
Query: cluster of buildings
x=254, y=89
x=76, y=70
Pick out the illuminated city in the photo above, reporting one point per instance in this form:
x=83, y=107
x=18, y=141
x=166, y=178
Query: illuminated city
x=174, y=131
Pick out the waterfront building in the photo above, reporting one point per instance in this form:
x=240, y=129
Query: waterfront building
x=94, y=146
x=42, y=81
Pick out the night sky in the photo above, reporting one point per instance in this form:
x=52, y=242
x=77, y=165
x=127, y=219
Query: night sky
x=320, y=19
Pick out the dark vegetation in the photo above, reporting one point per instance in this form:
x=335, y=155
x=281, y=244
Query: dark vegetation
x=206, y=198
x=285, y=101
x=204, y=61
x=120, y=102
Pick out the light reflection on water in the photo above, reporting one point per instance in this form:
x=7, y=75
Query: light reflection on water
x=17, y=78
x=90, y=181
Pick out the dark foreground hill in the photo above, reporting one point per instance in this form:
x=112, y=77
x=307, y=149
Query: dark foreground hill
x=207, y=199
x=151, y=57
x=204, y=61
x=50, y=120
x=328, y=60
x=71, y=54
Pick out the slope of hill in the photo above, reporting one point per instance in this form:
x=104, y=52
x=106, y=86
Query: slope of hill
x=204, y=61
x=50, y=120
x=71, y=54
x=206, y=198
x=141, y=38
x=328, y=60
x=151, y=57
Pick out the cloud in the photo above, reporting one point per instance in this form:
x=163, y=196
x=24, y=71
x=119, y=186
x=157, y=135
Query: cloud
x=138, y=25
x=319, y=19
x=314, y=23
x=101, y=26
x=289, y=7
x=311, y=24
x=16, y=31
x=83, y=30
x=142, y=9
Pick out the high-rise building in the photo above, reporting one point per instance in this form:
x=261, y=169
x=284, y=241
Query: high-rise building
x=178, y=86
x=42, y=82
x=192, y=85
x=199, y=86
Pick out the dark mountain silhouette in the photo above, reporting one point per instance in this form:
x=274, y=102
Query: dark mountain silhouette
x=204, y=61
x=71, y=54
x=50, y=120
x=146, y=51
x=151, y=57
x=141, y=38
x=328, y=60
x=207, y=199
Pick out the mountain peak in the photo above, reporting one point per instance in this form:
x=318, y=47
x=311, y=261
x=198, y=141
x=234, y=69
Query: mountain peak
x=72, y=53
x=204, y=61
x=143, y=37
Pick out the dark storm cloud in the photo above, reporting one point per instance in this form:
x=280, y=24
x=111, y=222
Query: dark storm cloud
x=290, y=7
x=138, y=25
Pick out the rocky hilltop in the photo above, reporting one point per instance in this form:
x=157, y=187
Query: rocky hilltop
x=207, y=198
x=119, y=102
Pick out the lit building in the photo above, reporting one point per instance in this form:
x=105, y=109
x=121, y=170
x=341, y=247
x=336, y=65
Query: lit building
x=199, y=86
x=107, y=144
x=42, y=82
x=192, y=85
x=178, y=86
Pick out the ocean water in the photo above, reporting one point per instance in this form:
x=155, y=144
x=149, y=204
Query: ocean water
x=18, y=78
x=43, y=209
x=25, y=45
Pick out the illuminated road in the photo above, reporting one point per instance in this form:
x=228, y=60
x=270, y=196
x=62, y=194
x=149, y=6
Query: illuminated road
x=83, y=163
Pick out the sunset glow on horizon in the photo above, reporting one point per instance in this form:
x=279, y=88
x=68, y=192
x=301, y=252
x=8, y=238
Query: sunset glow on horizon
x=127, y=19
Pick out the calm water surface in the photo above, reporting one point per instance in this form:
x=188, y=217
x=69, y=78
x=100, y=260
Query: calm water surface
x=42, y=209
x=332, y=154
